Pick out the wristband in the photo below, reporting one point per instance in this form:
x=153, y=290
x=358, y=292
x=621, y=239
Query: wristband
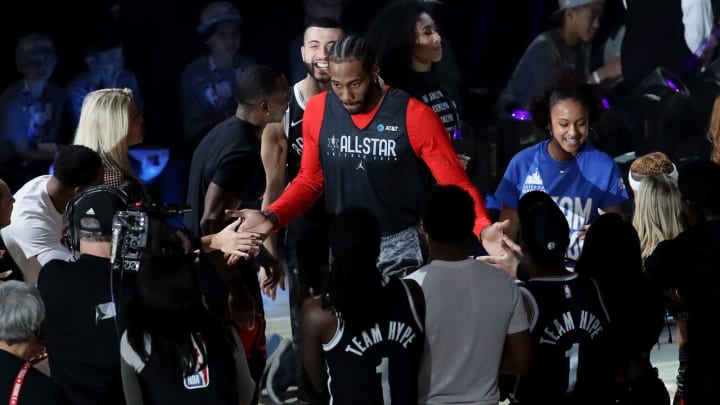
x=272, y=217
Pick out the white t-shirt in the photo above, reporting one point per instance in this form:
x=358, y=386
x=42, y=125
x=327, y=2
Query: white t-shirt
x=471, y=307
x=34, y=236
x=698, y=22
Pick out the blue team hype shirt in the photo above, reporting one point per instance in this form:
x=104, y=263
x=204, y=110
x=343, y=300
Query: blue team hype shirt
x=579, y=187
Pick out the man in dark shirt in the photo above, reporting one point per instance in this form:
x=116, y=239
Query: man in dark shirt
x=305, y=241
x=227, y=173
x=81, y=324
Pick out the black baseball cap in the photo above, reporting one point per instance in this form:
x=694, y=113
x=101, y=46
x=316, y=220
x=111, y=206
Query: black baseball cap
x=543, y=227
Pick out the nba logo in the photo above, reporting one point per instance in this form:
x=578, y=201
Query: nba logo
x=201, y=379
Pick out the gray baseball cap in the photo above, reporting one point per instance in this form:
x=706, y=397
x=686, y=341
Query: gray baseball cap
x=565, y=4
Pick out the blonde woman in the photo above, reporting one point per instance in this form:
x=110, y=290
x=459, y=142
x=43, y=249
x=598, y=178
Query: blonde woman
x=109, y=124
x=658, y=217
x=658, y=211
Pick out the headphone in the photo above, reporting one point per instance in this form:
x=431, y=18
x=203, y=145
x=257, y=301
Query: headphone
x=70, y=235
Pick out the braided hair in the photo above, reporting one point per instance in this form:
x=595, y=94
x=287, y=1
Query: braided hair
x=353, y=48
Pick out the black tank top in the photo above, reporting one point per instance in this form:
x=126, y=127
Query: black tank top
x=378, y=364
x=293, y=130
x=569, y=335
x=213, y=384
x=373, y=167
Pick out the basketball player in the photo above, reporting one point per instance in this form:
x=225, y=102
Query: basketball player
x=568, y=320
x=369, y=335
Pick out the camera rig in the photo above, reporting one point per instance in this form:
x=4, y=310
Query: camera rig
x=141, y=228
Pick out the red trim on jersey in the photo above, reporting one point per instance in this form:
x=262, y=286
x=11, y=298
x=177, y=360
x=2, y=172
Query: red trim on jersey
x=428, y=138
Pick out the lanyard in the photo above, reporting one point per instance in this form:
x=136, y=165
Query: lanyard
x=18, y=383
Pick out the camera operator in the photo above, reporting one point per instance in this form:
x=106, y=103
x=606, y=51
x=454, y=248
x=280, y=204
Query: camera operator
x=80, y=328
x=85, y=299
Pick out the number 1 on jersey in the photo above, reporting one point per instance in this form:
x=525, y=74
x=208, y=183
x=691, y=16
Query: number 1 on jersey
x=572, y=354
x=383, y=369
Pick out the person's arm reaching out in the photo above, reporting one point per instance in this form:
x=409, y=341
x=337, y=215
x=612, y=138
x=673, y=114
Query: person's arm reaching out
x=430, y=142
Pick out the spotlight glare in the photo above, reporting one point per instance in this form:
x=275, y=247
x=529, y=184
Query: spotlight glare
x=521, y=115
x=672, y=85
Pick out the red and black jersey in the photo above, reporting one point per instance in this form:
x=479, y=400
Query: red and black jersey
x=427, y=140
x=374, y=165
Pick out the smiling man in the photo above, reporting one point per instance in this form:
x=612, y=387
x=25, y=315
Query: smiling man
x=306, y=240
x=368, y=145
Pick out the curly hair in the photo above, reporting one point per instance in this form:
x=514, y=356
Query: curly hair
x=77, y=165
x=392, y=34
x=568, y=86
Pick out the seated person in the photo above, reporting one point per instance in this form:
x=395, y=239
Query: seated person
x=566, y=46
x=208, y=83
x=106, y=69
x=34, y=236
x=110, y=123
x=31, y=111
x=650, y=164
x=22, y=312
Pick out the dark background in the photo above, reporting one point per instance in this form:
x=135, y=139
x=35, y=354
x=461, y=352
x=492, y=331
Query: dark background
x=487, y=38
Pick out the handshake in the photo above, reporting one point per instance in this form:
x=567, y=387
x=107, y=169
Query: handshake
x=242, y=238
